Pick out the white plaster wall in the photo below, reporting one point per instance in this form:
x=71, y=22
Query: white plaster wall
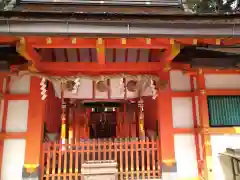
x=117, y=92
x=17, y=116
x=13, y=159
x=182, y=112
x=221, y=164
x=85, y=91
x=185, y=152
x=100, y=95
x=179, y=81
x=222, y=81
x=19, y=85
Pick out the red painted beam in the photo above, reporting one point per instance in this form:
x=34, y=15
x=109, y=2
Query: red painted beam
x=223, y=92
x=12, y=135
x=63, y=68
x=77, y=42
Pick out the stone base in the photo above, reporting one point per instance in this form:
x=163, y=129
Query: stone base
x=99, y=170
x=169, y=176
x=169, y=168
x=100, y=177
x=31, y=176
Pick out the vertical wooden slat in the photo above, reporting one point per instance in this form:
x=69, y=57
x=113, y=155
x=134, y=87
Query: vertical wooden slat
x=132, y=159
x=43, y=159
x=54, y=160
x=148, y=157
x=94, y=149
x=99, y=149
x=143, y=158
x=76, y=160
x=110, y=149
x=48, y=161
x=159, y=159
x=115, y=150
x=82, y=146
x=153, y=157
x=126, y=157
x=88, y=150
x=59, y=161
x=71, y=161
x=65, y=162
x=104, y=150
x=121, y=159
x=137, y=158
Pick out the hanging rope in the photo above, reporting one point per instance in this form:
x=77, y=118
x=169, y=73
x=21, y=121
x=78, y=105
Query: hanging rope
x=63, y=119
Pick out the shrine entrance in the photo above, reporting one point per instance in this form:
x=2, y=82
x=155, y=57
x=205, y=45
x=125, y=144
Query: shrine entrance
x=103, y=121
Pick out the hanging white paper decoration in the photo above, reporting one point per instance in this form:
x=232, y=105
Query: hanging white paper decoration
x=154, y=91
x=43, y=88
x=76, y=85
x=122, y=86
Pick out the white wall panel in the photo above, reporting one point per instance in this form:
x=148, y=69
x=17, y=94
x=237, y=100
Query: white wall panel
x=117, y=92
x=221, y=164
x=185, y=153
x=100, y=95
x=13, y=159
x=179, y=81
x=182, y=112
x=19, y=85
x=85, y=90
x=222, y=81
x=17, y=116
x=130, y=94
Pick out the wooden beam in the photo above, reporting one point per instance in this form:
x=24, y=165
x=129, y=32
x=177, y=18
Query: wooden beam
x=223, y=92
x=79, y=42
x=183, y=130
x=85, y=42
x=208, y=131
x=34, y=128
x=16, y=96
x=204, y=123
x=223, y=130
x=101, y=51
x=28, y=52
x=148, y=43
x=189, y=71
x=12, y=135
x=166, y=130
x=170, y=53
x=95, y=68
x=195, y=125
x=182, y=94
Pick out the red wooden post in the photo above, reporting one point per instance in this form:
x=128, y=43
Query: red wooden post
x=36, y=115
x=166, y=132
x=204, y=124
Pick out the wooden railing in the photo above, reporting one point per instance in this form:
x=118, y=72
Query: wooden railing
x=136, y=159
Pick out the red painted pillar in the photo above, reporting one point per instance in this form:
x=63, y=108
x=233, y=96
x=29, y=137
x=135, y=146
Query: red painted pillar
x=204, y=125
x=165, y=127
x=36, y=114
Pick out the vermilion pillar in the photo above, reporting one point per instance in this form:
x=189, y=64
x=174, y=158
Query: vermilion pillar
x=204, y=125
x=165, y=127
x=34, y=131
